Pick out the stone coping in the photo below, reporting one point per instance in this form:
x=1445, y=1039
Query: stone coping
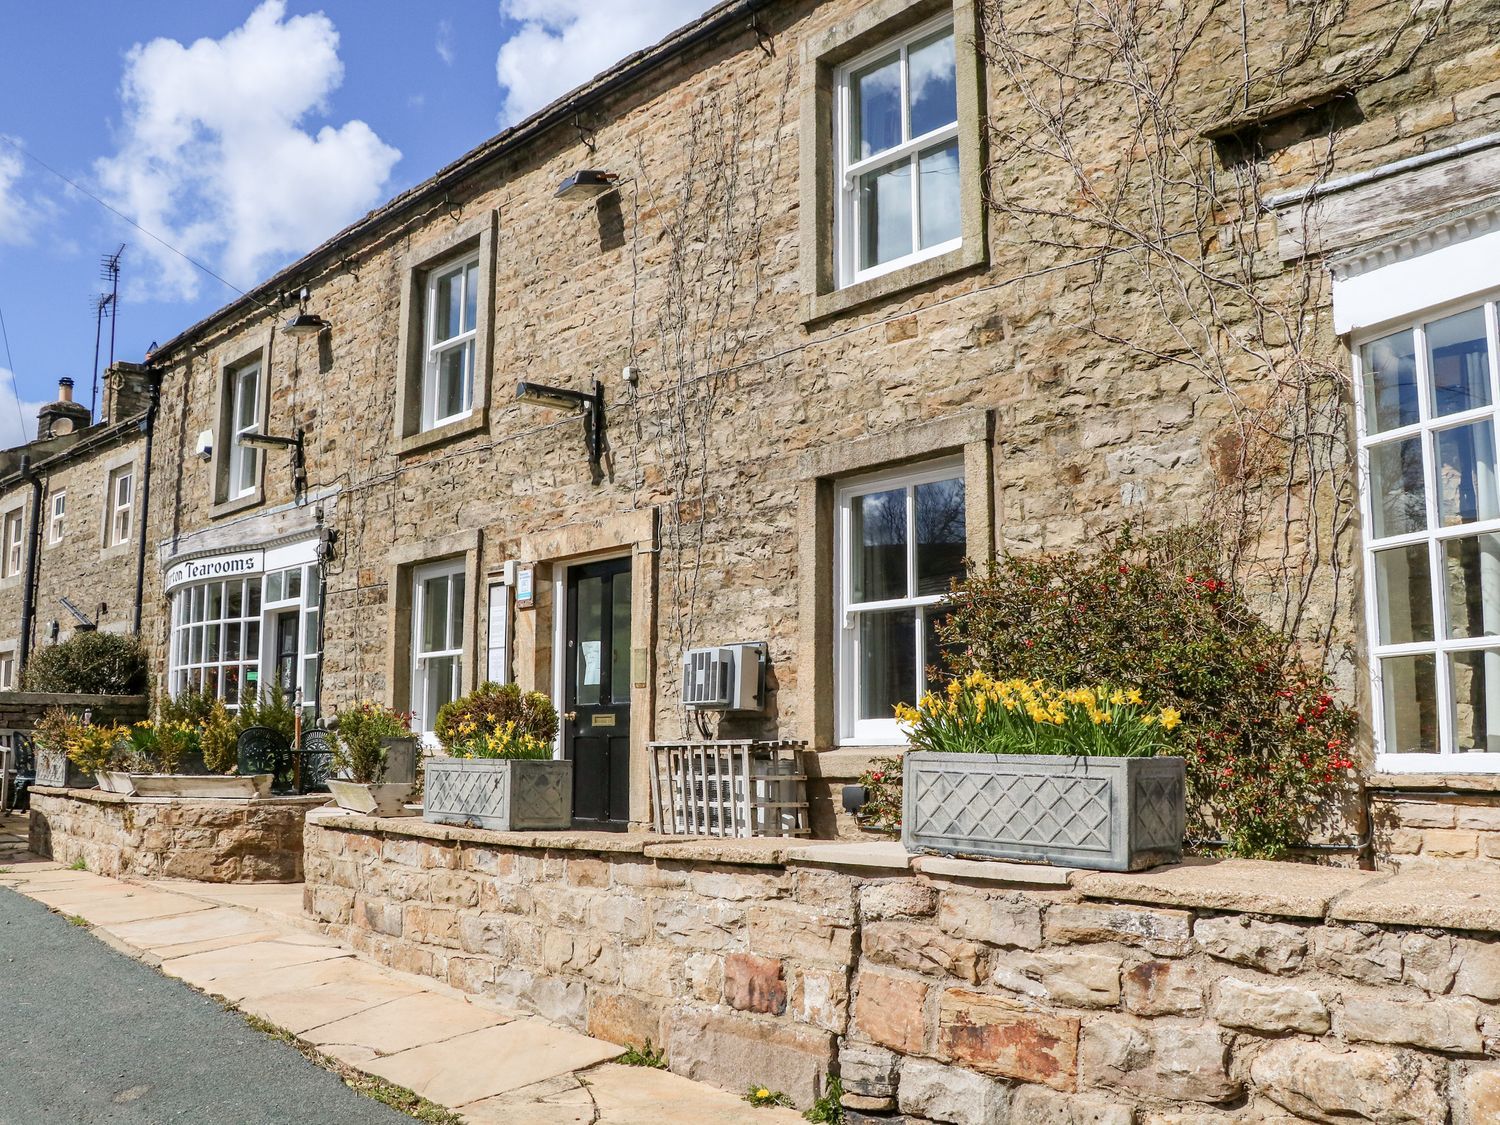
x=1476, y=783
x=1422, y=897
x=100, y=797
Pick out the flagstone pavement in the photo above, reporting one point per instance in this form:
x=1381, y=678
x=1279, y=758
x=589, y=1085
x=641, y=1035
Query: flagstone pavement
x=252, y=946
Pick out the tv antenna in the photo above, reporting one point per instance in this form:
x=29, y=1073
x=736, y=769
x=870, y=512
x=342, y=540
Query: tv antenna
x=109, y=270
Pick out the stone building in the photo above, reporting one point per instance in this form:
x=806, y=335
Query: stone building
x=70, y=541
x=857, y=289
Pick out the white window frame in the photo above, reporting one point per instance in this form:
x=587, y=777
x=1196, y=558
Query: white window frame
x=847, y=210
x=1447, y=759
x=455, y=571
x=853, y=731
x=244, y=460
x=57, y=513
x=14, y=534
x=121, y=513
x=8, y=670
x=433, y=350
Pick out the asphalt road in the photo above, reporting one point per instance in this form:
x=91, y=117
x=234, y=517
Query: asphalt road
x=88, y=1034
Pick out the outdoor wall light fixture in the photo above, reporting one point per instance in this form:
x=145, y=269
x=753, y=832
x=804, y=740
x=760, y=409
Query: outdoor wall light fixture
x=586, y=182
x=299, y=458
x=304, y=323
x=588, y=403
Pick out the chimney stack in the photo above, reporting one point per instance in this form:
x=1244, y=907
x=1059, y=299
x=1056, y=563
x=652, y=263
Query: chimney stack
x=65, y=389
x=63, y=416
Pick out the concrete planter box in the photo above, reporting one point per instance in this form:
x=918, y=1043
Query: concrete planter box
x=55, y=768
x=115, y=781
x=385, y=799
x=1109, y=814
x=210, y=786
x=502, y=794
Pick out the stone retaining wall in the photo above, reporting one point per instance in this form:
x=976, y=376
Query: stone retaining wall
x=19, y=710
x=954, y=991
x=216, y=841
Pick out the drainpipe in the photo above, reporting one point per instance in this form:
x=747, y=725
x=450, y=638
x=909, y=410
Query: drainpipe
x=149, y=425
x=28, y=596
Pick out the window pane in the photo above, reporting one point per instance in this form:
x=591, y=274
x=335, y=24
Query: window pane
x=875, y=102
x=252, y=639
x=274, y=583
x=938, y=168
x=1409, y=685
x=294, y=583
x=1398, y=495
x=941, y=539
x=215, y=608
x=619, y=640
x=590, y=656
x=435, y=614
x=232, y=640
x=234, y=600
x=1403, y=587
x=245, y=394
x=885, y=209
x=313, y=586
x=456, y=611
x=440, y=682
x=930, y=84
x=878, y=546
x=231, y=685
x=1476, y=701
x=1390, y=377
x=471, y=297
x=253, y=586
x=1466, y=474
x=211, y=635
x=935, y=654
x=1472, y=585
x=452, y=396
x=449, y=304
x=1458, y=353
x=887, y=662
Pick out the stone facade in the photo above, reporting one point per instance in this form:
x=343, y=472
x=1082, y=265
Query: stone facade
x=950, y=991
x=212, y=841
x=752, y=390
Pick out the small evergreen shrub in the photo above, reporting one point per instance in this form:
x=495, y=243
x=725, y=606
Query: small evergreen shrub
x=89, y=662
x=360, y=735
x=498, y=721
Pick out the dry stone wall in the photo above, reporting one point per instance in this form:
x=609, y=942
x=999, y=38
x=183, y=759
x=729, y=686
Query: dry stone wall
x=209, y=841
x=957, y=992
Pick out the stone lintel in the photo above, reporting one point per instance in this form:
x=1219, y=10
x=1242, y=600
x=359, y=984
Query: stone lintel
x=1291, y=890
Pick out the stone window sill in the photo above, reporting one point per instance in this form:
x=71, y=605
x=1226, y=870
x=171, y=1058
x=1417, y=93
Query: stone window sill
x=1457, y=782
x=820, y=306
x=440, y=435
x=238, y=504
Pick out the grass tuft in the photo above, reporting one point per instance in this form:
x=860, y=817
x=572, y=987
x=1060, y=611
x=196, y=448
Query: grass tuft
x=79, y=864
x=828, y=1109
x=76, y=920
x=648, y=1056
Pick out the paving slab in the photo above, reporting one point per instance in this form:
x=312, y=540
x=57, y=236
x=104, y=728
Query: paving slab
x=229, y=966
x=407, y=1022
x=251, y=984
x=106, y=910
x=300, y=1010
x=208, y=945
x=481, y=1064
x=1292, y=890
x=201, y=925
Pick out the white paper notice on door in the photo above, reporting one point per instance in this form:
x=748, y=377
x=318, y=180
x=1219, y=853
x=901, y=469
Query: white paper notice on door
x=591, y=662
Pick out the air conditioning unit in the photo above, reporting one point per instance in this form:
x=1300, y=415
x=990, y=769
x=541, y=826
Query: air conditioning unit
x=725, y=678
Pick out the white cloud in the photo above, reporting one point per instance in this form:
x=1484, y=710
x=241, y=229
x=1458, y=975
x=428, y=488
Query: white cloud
x=564, y=43
x=16, y=428
x=445, y=41
x=215, y=157
x=18, y=215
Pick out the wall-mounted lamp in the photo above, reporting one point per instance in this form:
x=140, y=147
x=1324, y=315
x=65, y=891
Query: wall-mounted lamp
x=588, y=403
x=586, y=182
x=304, y=323
x=273, y=441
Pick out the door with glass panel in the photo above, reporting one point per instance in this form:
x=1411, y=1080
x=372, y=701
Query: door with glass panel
x=596, y=692
x=902, y=538
x=437, y=640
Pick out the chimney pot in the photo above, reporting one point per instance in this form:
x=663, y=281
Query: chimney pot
x=65, y=389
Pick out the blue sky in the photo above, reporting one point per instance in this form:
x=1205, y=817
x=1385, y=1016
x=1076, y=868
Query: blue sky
x=243, y=133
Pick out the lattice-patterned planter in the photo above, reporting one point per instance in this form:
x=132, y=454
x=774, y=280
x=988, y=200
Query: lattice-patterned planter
x=1109, y=814
x=55, y=768
x=503, y=794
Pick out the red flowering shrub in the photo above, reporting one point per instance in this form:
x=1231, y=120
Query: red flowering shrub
x=1268, y=748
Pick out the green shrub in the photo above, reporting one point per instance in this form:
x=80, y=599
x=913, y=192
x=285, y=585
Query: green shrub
x=360, y=735
x=1267, y=747
x=268, y=707
x=89, y=662
x=498, y=721
x=881, y=811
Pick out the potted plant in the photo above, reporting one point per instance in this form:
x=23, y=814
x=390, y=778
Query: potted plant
x=50, y=740
x=369, y=740
x=499, y=772
x=1014, y=769
x=101, y=751
x=159, y=746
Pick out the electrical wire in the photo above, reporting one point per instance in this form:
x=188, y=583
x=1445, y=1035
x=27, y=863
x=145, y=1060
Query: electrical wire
x=188, y=258
x=15, y=392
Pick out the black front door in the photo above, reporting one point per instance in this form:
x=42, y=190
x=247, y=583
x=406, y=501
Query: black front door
x=596, y=692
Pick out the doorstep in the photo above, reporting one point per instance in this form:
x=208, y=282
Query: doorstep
x=493, y=1066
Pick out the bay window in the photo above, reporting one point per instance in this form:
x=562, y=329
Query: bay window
x=1426, y=393
x=900, y=540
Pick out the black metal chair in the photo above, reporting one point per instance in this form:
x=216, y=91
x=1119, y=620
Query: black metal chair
x=316, y=756
x=264, y=750
x=22, y=773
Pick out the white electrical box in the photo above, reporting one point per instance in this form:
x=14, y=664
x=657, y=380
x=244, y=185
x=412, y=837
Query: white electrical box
x=725, y=678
